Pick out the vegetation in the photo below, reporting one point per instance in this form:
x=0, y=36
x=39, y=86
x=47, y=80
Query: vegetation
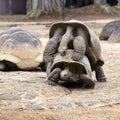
x=39, y=7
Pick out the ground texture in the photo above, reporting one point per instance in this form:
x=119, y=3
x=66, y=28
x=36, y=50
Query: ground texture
x=26, y=95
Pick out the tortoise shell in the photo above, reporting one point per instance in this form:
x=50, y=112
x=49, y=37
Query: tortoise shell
x=92, y=41
x=20, y=48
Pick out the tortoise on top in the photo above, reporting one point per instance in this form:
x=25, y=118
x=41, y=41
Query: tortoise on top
x=111, y=31
x=68, y=35
x=19, y=50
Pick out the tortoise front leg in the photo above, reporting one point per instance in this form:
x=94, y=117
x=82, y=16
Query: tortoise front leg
x=50, y=50
x=79, y=48
x=52, y=46
x=54, y=76
x=87, y=81
x=100, y=76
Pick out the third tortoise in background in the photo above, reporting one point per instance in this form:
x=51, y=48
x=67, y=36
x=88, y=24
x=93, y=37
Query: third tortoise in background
x=67, y=35
x=111, y=31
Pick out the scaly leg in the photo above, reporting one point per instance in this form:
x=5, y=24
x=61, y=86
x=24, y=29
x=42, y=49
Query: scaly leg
x=52, y=46
x=100, y=76
x=54, y=76
x=79, y=48
x=87, y=81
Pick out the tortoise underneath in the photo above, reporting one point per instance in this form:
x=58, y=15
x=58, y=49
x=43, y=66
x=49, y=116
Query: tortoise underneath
x=65, y=69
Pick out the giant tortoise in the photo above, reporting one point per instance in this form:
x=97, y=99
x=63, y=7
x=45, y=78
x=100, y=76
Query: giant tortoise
x=19, y=49
x=74, y=35
x=64, y=68
x=111, y=31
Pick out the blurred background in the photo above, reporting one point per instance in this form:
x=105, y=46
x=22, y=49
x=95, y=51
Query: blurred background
x=36, y=8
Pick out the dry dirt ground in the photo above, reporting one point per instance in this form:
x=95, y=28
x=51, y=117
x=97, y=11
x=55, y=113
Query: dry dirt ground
x=20, y=97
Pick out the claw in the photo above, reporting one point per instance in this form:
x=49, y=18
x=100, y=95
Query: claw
x=52, y=83
x=62, y=50
x=89, y=84
x=87, y=81
x=77, y=56
x=102, y=79
x=100, y=76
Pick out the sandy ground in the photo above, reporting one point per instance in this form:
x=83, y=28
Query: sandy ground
x=110, y=52
x=102, y=113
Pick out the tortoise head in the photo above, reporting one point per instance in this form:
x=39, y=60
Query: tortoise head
x=65, y=74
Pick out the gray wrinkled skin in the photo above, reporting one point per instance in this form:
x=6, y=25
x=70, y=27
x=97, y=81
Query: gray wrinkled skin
x=75, y=35
x=64, y=69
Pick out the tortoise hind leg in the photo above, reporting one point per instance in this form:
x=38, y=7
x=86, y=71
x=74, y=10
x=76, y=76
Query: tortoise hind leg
x=87, y=81
x=50, y=50
x=54, y=76
x=79, y=48
x=66, y=38
x=100, y=76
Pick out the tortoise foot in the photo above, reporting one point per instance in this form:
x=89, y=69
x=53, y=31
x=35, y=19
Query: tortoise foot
x=62, y=50
x=89, y=84
x=87, y=81
x=76, y=56
x=100, y=76
x=54, y=76
x=102, y=79
x=52, y=83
